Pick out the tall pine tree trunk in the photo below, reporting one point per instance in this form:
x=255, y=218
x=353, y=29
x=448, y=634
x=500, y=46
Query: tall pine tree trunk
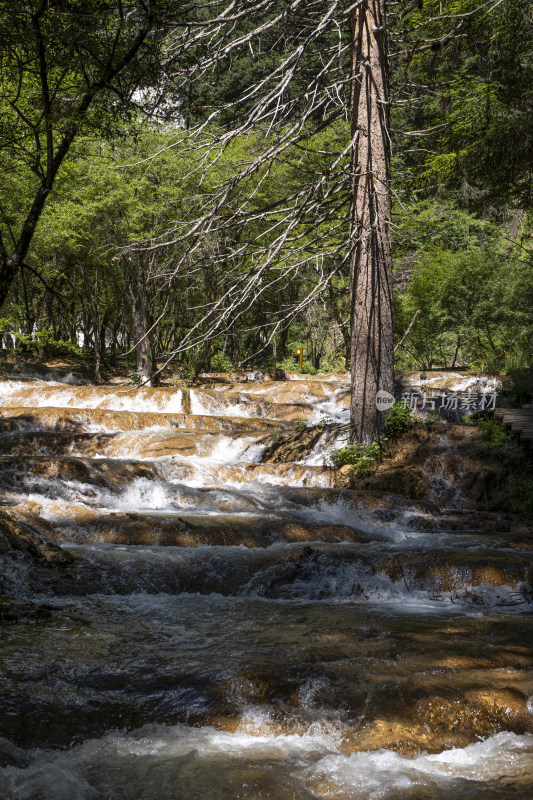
x=370, y=223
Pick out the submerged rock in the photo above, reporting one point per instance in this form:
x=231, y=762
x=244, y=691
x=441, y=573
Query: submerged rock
x=23, y=552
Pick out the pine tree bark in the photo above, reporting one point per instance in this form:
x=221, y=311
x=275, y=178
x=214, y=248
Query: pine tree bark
x=372, y=356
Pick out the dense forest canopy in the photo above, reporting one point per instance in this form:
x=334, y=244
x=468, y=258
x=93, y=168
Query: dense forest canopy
x=175, y=179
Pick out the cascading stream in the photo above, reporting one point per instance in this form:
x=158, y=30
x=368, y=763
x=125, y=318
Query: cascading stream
x=228, y=627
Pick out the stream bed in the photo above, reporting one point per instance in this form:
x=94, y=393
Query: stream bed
x=232, y=628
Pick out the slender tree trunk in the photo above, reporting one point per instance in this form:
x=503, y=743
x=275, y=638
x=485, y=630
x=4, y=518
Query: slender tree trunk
x=456, y=353
x=97, y=353
x=372, y=357
x=114, y=344
x=283, y=338
x=143, y=344
x=343, y=325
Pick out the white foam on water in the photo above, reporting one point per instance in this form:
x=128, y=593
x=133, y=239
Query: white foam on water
x=295, y=477
x=39, y=394
x=283, y=572
x=332, y=409
x=325, y=576
x=323, y=377
x=205, y=404
x=214, y=446
x=383, y=773
x=343, y=512
x=318, y=454
x=479, y=385
x=265, y=402
x=160, y=756
x=223, y=449
x=413, y=380
x=141, y=495
x=177, y=761
x=58, y=500
x=50, y=377
x=54, y=496
x=456, y=382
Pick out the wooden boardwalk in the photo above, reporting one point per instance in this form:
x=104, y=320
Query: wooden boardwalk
x=519, y=420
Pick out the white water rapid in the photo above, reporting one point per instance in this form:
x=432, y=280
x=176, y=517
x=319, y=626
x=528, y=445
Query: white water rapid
x=229, y=628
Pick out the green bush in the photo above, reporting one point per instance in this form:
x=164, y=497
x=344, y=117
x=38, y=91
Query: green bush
x=500, y=445
x=336, y=366
x=365, y=466
x=290, y=364
x=221, y=363
x=308, y=369
x=398, y=420
x=344, y=455
x=492, y=430
x=364, y=460
x=300, y=426
x=45, y=338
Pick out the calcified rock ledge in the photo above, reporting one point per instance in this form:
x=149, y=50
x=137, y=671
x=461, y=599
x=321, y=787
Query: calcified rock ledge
x=441, y=468
x=181, y=559
x=446, y=464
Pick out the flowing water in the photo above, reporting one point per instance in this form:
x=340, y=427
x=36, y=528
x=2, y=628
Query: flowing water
x=231, y=628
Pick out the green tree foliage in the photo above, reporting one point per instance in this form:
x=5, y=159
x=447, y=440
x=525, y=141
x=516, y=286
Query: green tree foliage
x=269, y=260
x=473, y=311
x=65, y=67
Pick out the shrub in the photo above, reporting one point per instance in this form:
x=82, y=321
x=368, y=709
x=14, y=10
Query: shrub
x=335, y=366
x=308, y=369
x=300, y=426
x=292, y=364
x=365, y=466
x=499, y=443
x=46, y=338
x=398, y=420
x=289, y=364
x=520, y=487
x=344, y=455
x=364, y=460
x=221, y=363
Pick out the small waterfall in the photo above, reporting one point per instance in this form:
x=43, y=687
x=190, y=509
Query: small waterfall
x=218, y=626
